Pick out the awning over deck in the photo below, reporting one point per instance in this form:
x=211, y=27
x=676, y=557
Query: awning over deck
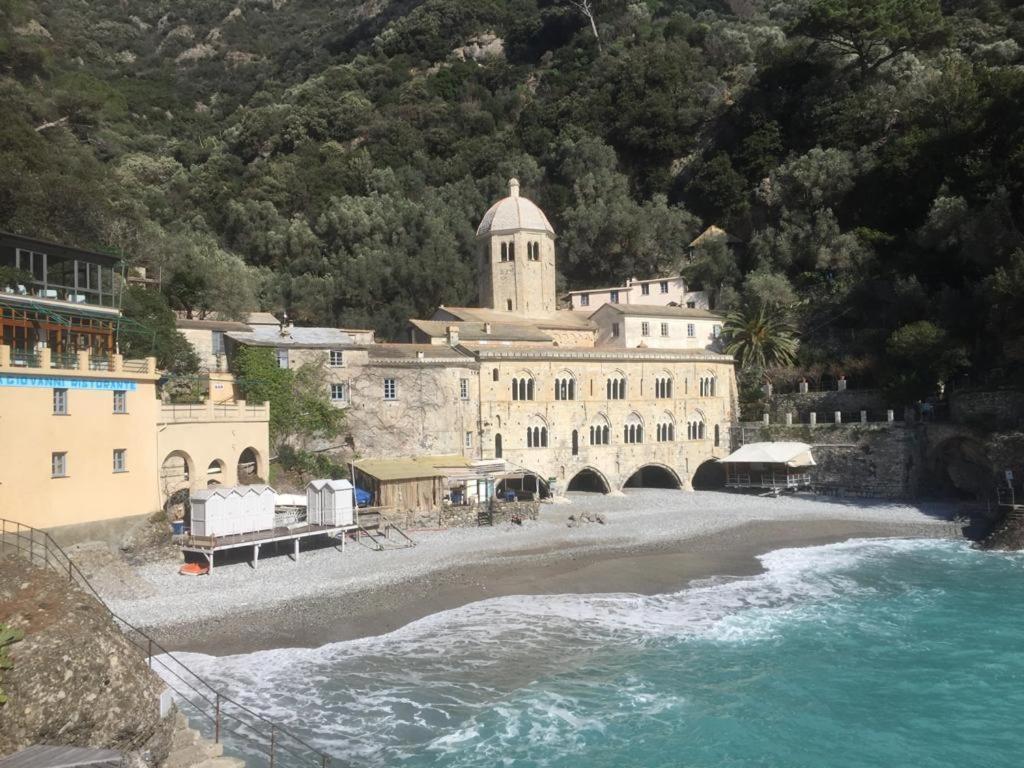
x=788, y=454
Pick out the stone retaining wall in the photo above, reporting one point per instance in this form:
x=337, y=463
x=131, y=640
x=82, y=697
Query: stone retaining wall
x=463, y=516
x=825, y=403
x=993, y=410
x=873, y=460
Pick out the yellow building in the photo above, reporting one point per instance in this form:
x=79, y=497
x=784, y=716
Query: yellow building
x=86, y=439
x=84, y=436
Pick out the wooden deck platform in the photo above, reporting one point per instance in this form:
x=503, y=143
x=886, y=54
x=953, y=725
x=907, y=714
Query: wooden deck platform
x=208, y=546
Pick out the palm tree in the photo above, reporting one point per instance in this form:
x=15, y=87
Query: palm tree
x=760, y=338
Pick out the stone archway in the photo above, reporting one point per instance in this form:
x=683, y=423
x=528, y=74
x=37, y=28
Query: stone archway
x=589, y=480
x=250, y=467
x=710, y=476
x=177, y=472
x=526, y=485
x=961, y=467
x=653, y=476
x=215, y=472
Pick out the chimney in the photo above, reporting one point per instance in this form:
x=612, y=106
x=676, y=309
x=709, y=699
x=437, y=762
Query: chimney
x=513, y=187
x=452, y=332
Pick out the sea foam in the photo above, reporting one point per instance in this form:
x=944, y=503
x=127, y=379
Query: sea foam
x=488, y=680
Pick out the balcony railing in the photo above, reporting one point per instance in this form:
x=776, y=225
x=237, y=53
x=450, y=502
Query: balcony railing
x=46, y=359
x=68, y=360
x=181, y=413
x=768, y=480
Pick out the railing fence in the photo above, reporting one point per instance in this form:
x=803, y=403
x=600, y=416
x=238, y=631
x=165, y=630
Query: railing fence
x=255, y=734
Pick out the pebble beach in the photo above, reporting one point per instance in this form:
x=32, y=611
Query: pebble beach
x=651, y=541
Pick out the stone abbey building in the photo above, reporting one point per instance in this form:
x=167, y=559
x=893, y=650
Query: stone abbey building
x=626, y=394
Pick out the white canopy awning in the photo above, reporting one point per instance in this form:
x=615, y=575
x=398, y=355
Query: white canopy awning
x=790, y=454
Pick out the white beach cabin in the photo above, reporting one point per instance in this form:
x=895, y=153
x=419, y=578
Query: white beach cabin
x=231, y=510
x=770, y=466
x=330, y=502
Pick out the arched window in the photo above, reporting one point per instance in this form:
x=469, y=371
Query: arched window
x=633, y=430
x=494, y=374
x=666, y=430
x=695, y=427
x=600, y=431
x=537, y=434
x=707, y=386
x=565, y=386
x=511, y=251
x=663, y=386
x=522, y=387
x=504, y=251
x=497, y=446
x=575, y=443
x=718, y=436
x=617, y=388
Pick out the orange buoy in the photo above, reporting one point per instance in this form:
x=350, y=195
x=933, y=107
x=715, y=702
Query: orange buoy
x=193, y=569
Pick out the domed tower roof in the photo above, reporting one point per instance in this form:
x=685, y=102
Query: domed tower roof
x=512, y=213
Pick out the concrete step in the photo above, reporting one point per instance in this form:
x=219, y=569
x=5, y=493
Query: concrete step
x=183, y=738
x=193, y=755
x=222, y=762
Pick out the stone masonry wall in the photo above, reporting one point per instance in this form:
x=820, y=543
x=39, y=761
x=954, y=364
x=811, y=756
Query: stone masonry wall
x=874, y=460
x=463, y=516
x=825, y=403
x=994, y=409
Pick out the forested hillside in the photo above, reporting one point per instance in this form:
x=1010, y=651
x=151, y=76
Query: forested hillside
x=333, y=158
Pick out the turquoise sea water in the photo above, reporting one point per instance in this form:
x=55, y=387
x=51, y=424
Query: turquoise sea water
x=866, y=653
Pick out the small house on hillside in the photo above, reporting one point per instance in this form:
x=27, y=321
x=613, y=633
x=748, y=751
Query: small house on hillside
x=772, y=467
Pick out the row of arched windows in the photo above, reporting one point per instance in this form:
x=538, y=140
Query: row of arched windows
x=565, y=388
x=508, y=251
x=632, y=433
x=616, y=389
x=522, y=389
x=536, y=437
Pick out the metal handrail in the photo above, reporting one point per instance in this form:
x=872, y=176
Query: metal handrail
x=64, y=360
x=41, y=548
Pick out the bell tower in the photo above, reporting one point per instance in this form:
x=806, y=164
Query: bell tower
x=516, y=266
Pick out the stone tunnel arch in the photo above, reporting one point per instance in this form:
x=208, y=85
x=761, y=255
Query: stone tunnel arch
x=960, y=467
x=589, y=480
x=710, y=476
x=653, y=476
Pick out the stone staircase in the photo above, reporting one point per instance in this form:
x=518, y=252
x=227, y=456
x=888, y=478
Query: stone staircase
x=189, y=749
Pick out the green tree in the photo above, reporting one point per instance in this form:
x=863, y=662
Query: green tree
x=760, y=338
x=920, y=356
x=148, y=330
x=300, y=408
x=873, y=31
